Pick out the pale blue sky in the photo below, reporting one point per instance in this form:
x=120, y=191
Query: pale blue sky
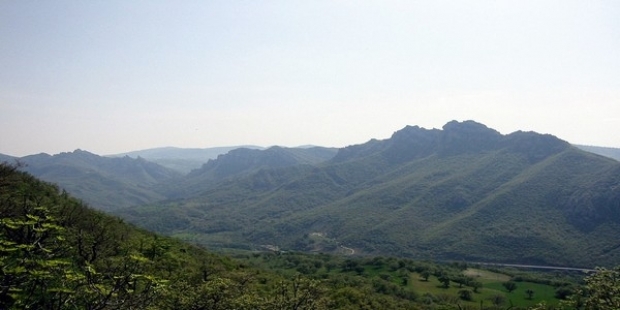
x=116, y=76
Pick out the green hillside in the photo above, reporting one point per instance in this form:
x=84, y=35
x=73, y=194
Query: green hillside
x=105, y=183
x=56, y=253
x=463, y=192
x=243, y=162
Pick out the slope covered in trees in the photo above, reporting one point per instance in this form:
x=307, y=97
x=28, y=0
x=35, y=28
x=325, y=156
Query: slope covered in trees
x=105, y=183
x=55, y=253
x=462, y=192
x=242, y=162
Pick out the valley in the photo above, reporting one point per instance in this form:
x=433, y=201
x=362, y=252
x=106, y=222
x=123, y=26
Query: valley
x=463, y=192
x=460, y=217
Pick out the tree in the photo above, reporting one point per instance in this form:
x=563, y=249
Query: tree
x=563, y=292
x=498, y=299
x=425, y=274
x=41, y=267
x=462, y=279
x=603, y=289
x=465, y=294
x=476, y=285
x=529, y=293
x=299, y=294
x=445, y=281
x=510, y=286
x=33, y=271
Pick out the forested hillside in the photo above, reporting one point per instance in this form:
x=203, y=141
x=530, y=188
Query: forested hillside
x=463, y=192
x=105, y=183
x=56, y=253
x=242, y=162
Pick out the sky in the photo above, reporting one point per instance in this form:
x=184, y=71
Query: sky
x=116, y=76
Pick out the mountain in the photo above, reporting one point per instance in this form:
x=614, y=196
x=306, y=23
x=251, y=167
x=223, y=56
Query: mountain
x=105, y=183
x=603, y=151
x=57, y=253
x=182, y=160
x=462, y=192
x=242, y=162
x=7, y=158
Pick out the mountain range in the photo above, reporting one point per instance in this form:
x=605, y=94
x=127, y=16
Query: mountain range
x=112, y=182
x=102, y=182
x=182, y=160
x=462, y=192
x=610, y=152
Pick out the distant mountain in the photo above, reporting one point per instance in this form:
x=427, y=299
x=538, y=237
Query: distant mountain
x=7, y=158
x=105, y=183
x=182, y=159
x=464, y=192
x=244, y=161
x=603, y=151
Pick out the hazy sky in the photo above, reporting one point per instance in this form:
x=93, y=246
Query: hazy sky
x=115, y=76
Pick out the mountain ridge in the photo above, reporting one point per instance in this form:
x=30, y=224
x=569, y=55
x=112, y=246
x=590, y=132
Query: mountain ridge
x=182, y=160
x=461, y=192
x=105, y=183
x=421, y=192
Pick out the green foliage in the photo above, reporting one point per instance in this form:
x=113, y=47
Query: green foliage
x=465, y=294
x=602, y=290
x=43, y=268
x=510, y=286
x=563, y=292
x=382, y=279
x=55, y=253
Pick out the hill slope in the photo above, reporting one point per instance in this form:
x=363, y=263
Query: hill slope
x=463, y=192
x=242, y=162
x=105, y=183
x=57, y=253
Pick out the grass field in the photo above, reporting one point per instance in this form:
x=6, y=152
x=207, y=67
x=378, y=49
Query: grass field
x=431, y=291
x=491, y=287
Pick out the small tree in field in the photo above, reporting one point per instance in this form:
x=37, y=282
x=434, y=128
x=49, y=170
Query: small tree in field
x=465, y=294
x=529, y=293
x=445, y=281
x=510, y=286
x=498, y=299
x=476, y=285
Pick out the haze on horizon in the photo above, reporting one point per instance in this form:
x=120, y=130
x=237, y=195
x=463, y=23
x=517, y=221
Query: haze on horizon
x=117, y=76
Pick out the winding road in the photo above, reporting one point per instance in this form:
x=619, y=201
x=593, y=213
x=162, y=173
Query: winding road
x=351, y=251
